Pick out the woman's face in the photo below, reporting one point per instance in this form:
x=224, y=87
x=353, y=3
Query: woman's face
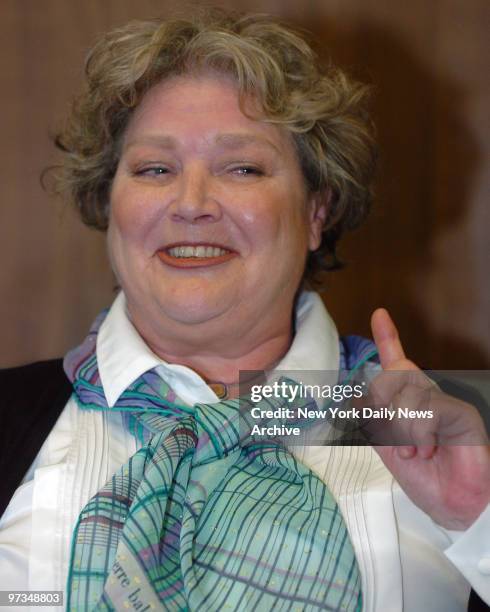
x=210, y=218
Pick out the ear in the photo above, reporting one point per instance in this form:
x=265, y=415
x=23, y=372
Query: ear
x=319, y=206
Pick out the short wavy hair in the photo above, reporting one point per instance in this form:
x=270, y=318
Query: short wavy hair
x=324, y=111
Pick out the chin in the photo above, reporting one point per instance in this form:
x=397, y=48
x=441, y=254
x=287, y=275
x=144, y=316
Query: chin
x=193, y=308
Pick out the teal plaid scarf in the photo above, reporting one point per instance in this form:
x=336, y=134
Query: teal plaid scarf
x=198, y=519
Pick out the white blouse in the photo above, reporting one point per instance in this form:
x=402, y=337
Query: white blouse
x=406, y=561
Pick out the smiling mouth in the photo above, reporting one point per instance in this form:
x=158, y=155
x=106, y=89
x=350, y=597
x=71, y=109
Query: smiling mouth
x=194, y=256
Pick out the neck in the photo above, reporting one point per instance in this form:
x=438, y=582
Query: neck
x=218, y=356
x=226, y=369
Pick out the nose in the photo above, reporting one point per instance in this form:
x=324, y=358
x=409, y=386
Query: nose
x=193, y=201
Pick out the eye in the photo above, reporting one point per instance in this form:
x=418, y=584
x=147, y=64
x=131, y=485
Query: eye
x=247, y=171
x=152, y=171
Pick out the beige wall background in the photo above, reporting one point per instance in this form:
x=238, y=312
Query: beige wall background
x=424, y=253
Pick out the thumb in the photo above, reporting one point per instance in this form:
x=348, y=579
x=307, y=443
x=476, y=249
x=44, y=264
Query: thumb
x=386, y=337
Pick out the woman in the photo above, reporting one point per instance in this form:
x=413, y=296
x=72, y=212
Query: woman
x=225, y=166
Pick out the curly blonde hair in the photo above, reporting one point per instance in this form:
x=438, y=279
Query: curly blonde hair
x=324, y=111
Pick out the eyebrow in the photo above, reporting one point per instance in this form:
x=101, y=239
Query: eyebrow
x=238, y=141
x=159, y=140
x=228, y=141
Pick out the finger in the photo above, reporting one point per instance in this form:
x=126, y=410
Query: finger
x=427, y=451
x=406, y=452
x=409, y=452
x=386, y=338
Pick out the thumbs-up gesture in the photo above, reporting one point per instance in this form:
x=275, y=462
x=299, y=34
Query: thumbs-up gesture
x=444, y=462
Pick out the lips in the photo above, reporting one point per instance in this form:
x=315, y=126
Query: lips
x=184, y=255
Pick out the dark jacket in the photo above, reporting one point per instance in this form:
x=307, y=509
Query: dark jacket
x=32, y=398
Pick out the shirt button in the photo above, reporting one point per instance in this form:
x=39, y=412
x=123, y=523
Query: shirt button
x=484, y=566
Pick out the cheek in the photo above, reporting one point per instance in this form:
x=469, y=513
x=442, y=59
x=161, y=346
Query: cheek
x=125, y=247
x=127, y=235
x=267, y=215
x=131, y=218
x=285, y=223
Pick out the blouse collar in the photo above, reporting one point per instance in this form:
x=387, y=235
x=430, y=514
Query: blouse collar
x=123, y=356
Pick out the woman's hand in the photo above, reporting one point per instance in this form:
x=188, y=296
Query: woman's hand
x=445, y=469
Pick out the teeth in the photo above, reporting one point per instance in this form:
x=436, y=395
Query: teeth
x=197, y=251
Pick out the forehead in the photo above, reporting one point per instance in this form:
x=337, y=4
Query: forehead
x=202, y=106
